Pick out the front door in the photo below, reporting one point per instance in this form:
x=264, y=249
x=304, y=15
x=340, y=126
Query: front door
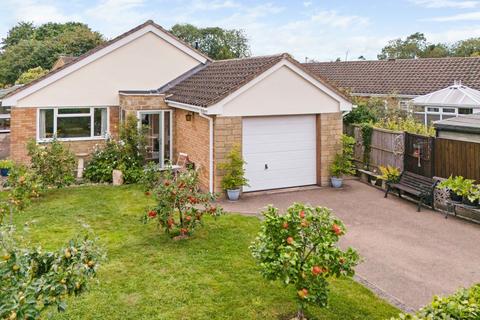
x=159, y=135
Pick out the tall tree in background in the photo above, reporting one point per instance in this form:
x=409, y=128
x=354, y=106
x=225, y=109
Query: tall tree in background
x=27, y=46
x=417, y=46
x=215, y=42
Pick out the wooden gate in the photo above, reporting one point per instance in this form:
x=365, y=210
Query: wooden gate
x=419, y=154
x=457, y=158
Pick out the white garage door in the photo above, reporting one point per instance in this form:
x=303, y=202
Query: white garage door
x=280, y=151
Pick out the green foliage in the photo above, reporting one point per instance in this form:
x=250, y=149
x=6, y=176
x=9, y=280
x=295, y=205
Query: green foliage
x=367, y=132
x=6, y=164
x=363, y=113
x=234, y=172
x=127, y=155
x=151, y=176
x=463, y=304
x=180, y=204
x=299, y=248
x=31, y=280
x=30, y=75
x=53, y=162
x=462, y=187
x=215, y=42
x=27, y=46
x=24, y=185
x=343, y=162
x=408, y=124
x=390, y=174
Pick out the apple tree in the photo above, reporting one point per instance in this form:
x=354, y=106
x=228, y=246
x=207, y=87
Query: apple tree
x=33, y=280
x=300, y=249
x=181, y=204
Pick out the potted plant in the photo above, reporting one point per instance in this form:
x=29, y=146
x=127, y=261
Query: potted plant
x=234, y=174
x=457, y=186
x=390, y=174
x=343, y=162
x=5, y=166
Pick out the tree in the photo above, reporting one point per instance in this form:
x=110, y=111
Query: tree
x=467, y=48
x=411, y=47
x=27, y=46
x=30, y=75
x=299, y=248
x=215, y=42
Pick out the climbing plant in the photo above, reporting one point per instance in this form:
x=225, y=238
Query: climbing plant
x=367, y=131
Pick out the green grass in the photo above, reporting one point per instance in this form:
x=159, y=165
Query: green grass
x=148, y=276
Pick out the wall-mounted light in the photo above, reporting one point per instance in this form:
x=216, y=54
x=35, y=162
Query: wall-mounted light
x=189, y=116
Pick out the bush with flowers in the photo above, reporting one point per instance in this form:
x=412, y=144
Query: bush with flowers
x=181, y=205
x=300, y=248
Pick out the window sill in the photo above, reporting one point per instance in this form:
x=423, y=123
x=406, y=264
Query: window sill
x=73, y=139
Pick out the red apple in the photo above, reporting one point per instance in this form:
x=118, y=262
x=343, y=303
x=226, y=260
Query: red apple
x=316, y=270
x=289, y=240
x=285, y=225
x=336, y=229
x=302, y=214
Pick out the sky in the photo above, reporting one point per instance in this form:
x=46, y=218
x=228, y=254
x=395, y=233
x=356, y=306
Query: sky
x=320, y=30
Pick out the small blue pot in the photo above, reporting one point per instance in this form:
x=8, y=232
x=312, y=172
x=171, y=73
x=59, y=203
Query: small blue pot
x=233, y=195
x=336, y=182
x=4, y=172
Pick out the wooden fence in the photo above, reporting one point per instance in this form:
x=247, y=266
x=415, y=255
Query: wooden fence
x=387, y=148
x=457, y=158
x=419, y=154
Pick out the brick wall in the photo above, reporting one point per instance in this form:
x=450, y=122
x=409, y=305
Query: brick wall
x=193, y=137
x=130, y=103
x=227, y=133
x=329, y=133
x=23, y=128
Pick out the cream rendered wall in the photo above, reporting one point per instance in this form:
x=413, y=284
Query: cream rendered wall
x=147, y=62
x=281, y=93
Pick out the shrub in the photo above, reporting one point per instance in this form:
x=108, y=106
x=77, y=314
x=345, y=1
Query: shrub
x=299, y=249
x=151, y=176
x=24, y=185
x=127, y=155
x=343, y=162
x=390, y=174
x=234, y=175
x=363, y=113
x=408, y=124
x=53, y=162
x=180, y=204
x=32, y=280
x=464, y=304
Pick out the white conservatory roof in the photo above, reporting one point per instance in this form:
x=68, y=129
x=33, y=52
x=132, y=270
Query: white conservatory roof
x=457, y=95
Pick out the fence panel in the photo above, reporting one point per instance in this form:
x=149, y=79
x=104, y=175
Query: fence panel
x=457, y=158
x=419, y=154
x=387, y=148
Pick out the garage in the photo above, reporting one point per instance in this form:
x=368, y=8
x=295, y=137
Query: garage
x=280, y=151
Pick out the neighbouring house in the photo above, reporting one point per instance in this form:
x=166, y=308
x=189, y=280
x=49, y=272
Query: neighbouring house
x=5, y=123
x=287, y=120
x=405, y=79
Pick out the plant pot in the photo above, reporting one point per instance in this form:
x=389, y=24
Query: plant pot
x=336, y=182
x=4, y=172
x=373, y=182
x=455, y=197
x=233, y=195
x=470, y=203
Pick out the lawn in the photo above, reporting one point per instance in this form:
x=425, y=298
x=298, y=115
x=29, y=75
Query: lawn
x=149, y=276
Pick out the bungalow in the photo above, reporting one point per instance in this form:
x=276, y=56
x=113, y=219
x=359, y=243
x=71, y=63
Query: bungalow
x=405, y=79
x=287, y=120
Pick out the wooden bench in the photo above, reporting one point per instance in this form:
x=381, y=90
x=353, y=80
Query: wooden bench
x=417, y=185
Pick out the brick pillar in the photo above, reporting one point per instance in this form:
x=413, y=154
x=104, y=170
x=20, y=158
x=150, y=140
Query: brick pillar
x=329, y=133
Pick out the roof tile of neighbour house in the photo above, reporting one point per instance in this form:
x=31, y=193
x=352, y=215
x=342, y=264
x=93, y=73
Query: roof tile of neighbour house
x=401, y=76
x=219, y=79
x=104, y=45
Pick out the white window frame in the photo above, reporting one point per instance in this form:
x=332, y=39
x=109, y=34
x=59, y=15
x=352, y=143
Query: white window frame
x=56, y=115
x=3, y=117
x=161, y=159
x=440, y=112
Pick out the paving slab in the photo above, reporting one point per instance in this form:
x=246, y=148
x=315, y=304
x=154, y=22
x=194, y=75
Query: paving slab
x=408, y=255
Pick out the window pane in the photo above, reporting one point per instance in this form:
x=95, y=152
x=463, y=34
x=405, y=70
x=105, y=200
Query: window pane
x=465, y=111
x=46, y=123
x=73, y=110
x=431, y=109
x=168, y=140
x=432, y=117
x=100, y=122
x=4, y=124
x=4, y=110
x=448, y=110
x=76, y=127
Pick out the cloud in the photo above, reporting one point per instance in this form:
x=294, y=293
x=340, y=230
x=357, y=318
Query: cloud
x=454, y=35
x=39, y=12
x=333, y=19
x=465, y=4
x=471, y=16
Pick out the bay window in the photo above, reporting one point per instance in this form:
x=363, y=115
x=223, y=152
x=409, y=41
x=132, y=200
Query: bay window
x=72, y=123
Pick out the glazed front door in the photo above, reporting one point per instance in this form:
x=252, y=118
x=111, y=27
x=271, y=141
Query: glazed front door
x=159, y=135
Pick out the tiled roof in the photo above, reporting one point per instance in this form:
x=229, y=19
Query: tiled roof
x=218, y=79
x=104, y=45
x=400, y=76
